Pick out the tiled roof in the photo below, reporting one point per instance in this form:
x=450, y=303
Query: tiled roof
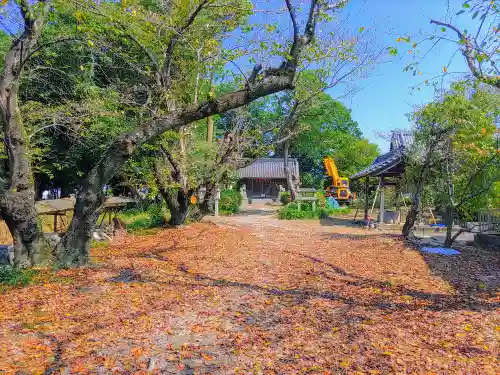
x=380, y=164
x=400, y=140
x=269, y=168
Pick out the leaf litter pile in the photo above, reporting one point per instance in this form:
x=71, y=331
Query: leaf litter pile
x=205, y=299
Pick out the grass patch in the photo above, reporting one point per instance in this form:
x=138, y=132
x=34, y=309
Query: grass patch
x=13, y=277
x=136, y=219
x=144, y=231
x=291, y=212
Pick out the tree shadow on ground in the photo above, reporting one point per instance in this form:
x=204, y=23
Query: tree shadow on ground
x=349, y=222
x=474, y=272
x=357, y=237
x=339, y=221
x=420, y=300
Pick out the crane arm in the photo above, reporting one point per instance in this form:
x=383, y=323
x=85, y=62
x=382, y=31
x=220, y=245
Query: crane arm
x=332, y=170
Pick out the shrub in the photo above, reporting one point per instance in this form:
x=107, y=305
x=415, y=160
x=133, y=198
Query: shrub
x=320, y=199
x=291, y=212
x=285, y=197
x=307, y=179
x=151, y=217
x=230, y=201
x=287, y=213
x=15, y=277
x=157, y=214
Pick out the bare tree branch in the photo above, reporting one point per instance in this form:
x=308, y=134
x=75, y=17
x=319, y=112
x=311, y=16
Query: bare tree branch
x=468, y=53
x=167, y=65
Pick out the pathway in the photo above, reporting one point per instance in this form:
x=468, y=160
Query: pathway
x=254, y=295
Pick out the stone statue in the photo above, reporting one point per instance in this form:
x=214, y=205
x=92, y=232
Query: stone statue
x=243, y=191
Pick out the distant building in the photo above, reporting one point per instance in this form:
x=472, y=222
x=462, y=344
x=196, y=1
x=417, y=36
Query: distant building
x=264, y=176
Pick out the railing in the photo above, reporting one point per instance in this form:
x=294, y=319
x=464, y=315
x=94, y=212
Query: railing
x=488, y=220
x=306, y=195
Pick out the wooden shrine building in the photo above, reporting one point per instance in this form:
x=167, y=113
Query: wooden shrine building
x=264, y=177
x=389, y=169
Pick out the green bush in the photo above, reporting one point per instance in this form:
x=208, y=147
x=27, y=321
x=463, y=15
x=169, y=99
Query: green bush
x=320, y=199
x=230, y=201
x=285, y=197
x=157, y=213
x=307, y=180
x=151, y=217
x=291, y=212
x=14, y=277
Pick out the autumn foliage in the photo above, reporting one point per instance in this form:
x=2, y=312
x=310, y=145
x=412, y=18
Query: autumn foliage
x=298, y=299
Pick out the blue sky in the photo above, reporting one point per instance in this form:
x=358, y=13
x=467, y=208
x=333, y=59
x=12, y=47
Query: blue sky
x=385, y=98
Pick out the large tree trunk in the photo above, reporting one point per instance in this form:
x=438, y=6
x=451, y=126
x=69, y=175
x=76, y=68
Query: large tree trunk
x=178, y=204
x=17, y=196
x=208, y=203
x=74, y=248
x=18, y=211
x=288, y=173
x=17, y=192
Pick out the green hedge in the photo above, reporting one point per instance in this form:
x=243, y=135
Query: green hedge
x=230, y=201
x=291, y=212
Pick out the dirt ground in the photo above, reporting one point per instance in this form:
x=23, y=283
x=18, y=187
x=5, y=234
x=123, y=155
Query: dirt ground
x=254, y=295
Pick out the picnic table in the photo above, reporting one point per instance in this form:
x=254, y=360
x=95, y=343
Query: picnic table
x=60, y=207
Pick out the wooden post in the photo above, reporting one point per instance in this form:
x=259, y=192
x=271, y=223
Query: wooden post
x=55, y=222
x=398, y=200
x=382, y=208
x=217, y=198
x=367, y=187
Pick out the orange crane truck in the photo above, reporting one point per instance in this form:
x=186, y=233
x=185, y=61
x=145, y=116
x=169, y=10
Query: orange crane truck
x=339, y=188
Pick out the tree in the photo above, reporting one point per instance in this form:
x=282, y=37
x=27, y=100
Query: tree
x=74, y=248
x=456, y=154
x=17, y=190
x=314, y=125
x=330, y=130
x=473, y=29
x=479, y=46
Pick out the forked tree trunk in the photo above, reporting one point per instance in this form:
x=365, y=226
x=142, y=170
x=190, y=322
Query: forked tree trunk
x=422, y=179
x=450, y=214
x=413, y=213
x=288, y=173
x=74, y=248
x=415, y=205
